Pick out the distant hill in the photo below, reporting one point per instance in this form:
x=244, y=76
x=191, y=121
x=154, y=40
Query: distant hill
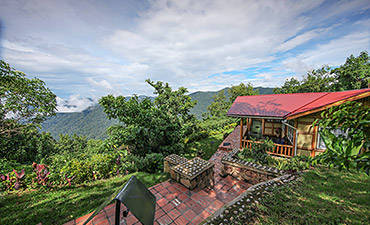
x=204, y=99
x=93, y=123
x=265, y=91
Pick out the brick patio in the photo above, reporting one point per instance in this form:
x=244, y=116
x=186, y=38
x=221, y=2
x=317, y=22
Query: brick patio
x=178, y=205
x=233, y=139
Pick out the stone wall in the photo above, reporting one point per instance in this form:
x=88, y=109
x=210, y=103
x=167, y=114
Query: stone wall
x=191, y=173
x=204, y=179
x=237, y=210
x=244, y=170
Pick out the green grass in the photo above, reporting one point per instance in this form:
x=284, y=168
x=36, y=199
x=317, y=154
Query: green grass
x=63, y=204
x=323, y=197
x=207, y=146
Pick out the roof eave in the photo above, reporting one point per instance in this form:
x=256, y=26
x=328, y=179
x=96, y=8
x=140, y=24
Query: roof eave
x=318, y=109
x=256, y=116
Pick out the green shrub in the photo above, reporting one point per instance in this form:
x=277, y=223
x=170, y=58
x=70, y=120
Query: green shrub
x=153, y=163
x=257, y=152
x=81, y=171
x=197, y=136
x=13, y=180
x=103, y=165
x=82, y=167
x=96, y=146
x=7, y=166
x=215, y=125
x=296, y=163
x=74, y=143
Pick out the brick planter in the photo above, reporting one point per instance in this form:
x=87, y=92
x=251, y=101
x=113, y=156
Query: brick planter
x=194, y=173
x=171, y=161
x=244, y=170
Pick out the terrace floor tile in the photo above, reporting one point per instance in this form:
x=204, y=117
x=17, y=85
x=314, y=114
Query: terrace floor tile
x=178, y=205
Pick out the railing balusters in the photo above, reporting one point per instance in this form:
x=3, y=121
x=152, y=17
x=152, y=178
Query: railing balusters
x=277, y=149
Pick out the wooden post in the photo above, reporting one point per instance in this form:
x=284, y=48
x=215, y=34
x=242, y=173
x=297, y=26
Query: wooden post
x=241, y=133
x=314, y=140
x=263, y=127
x=295, y=146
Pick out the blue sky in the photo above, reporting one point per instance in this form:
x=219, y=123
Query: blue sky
x=94, y=48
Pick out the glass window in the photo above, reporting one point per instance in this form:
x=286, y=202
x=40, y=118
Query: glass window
x=336, y=132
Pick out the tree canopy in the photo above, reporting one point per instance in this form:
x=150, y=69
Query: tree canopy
x=219, y=106
x=319, y=80
x=241, y=90
x=353, y=74
x=160, y=126
x=23, y=102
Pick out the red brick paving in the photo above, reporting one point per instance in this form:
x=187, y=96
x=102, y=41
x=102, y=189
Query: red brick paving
x=233, y=139
x=178, y=205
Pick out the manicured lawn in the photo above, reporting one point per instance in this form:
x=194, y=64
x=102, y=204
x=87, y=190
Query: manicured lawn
x=323, y=197
x=63, y=204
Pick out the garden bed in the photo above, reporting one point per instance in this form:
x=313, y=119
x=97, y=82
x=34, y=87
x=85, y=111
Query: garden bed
x=319, y=196
x=244, y=170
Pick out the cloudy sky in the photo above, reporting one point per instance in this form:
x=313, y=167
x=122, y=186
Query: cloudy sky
x=91, y=48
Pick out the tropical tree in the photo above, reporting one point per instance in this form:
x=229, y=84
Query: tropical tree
x=319, y=80
x=164, y=125
x=241, y=90
x=290, y=86
x=219, y=106
x=354, y=73
x=24, y=102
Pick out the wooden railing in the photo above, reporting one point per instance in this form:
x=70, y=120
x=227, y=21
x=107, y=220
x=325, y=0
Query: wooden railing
x=278, y=149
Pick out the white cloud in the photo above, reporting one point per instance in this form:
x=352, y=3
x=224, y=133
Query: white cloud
x=74, y=103
x=98, y=51
x=16, y=47
x=102, y=83
x=301, y=39
x=186, y=41
x=332, y=53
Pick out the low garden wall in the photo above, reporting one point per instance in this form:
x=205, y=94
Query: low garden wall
x=243, y=170
x=239, y=208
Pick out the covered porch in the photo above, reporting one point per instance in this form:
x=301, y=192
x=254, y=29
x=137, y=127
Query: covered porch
x=282, y=133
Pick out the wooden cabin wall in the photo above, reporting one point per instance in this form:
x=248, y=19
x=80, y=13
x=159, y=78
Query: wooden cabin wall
x=270, y=127
x=307, y=135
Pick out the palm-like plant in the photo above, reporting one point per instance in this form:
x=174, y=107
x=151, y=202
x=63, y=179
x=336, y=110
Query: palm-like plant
x=343, y=153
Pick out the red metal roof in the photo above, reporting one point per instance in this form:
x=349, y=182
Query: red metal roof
x=283, y=105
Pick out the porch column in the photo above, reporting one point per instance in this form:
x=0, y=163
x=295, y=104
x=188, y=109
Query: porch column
x=241, y=133
x=295, y=137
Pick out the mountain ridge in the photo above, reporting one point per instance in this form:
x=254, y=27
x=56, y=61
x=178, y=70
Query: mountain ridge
x=93, y=123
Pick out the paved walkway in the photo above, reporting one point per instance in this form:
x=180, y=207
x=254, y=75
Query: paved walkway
x=178, y=205
x=232, y=140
